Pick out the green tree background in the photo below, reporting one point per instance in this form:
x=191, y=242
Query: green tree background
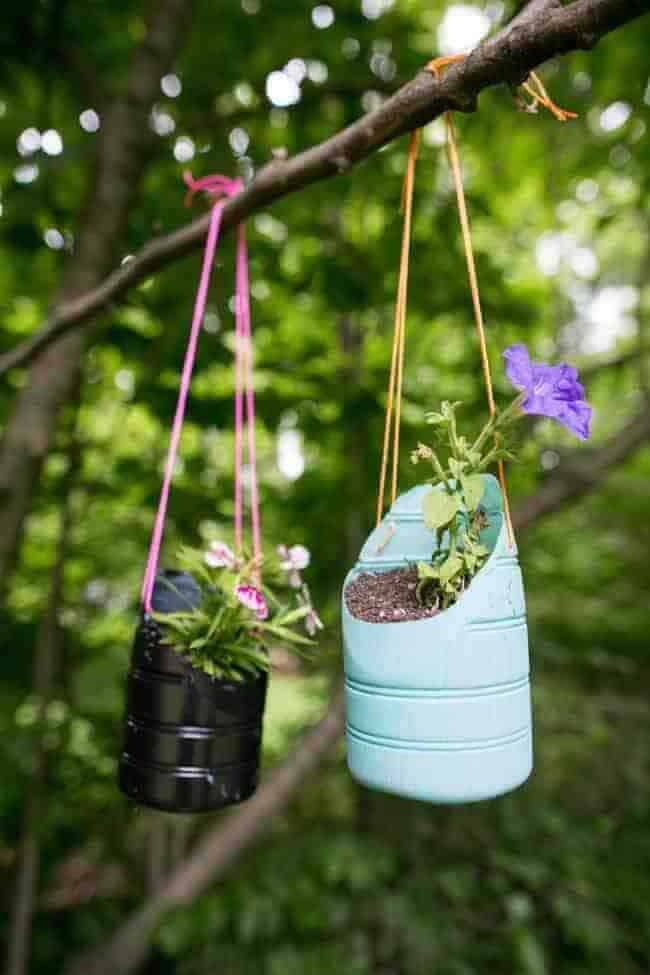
x=554, y=878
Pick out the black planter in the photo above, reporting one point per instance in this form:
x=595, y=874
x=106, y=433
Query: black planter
x=192, y=742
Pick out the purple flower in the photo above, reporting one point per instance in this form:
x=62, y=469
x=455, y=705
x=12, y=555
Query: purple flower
x=552, y=391
x=294, y=559
x=252, y=598
x=219, y=556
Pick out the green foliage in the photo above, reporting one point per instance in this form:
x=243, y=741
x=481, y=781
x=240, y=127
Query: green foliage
x=557, y=873
x=453, y=506
x=440, y=509
x=236, y=625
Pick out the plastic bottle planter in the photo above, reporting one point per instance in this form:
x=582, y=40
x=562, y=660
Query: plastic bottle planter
x=192, y=742
x=439, y=709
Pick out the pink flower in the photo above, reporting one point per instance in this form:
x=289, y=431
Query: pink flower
x=313, y=622
x=294, y=560
x=219, y=556
x=252, y=598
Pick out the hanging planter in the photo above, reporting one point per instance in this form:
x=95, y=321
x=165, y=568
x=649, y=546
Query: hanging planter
x=197, y=685
x=438, y=708
x=435, y=638
x=192, y=741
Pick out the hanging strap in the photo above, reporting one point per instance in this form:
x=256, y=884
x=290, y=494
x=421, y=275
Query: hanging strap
x=244, y=391
x=535, y=88
x=454, y=161
x=476, y=302
x=394, y=399
x=223, y=187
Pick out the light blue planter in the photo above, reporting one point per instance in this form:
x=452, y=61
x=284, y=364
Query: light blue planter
x=439, y=709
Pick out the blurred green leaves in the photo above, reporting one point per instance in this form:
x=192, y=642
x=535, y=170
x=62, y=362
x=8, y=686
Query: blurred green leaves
x=551, y=879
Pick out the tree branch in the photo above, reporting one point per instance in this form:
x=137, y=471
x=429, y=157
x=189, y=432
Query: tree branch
x=583, y=470
x=542, y=30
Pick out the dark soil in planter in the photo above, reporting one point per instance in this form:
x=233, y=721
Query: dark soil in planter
x=386, y=597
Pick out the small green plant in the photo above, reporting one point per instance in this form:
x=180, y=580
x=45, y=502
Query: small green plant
x=453, y=507
x=240, y=617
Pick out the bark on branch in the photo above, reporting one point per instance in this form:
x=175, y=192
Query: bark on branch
x=583, y=470
x=542, y=30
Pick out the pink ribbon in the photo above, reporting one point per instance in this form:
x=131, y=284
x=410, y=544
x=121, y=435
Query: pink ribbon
x=219, y=186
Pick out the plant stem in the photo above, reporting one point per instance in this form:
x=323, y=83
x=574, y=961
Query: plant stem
x=453, y=435
x=437, y=466
x=511, y=411
x=488, y=459
x=484, y=434
x=498, y=420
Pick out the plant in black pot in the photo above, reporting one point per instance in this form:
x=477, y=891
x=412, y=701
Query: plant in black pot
x=197, y=686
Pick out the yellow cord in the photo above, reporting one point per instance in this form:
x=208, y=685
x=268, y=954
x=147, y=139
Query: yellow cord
x=393, y=404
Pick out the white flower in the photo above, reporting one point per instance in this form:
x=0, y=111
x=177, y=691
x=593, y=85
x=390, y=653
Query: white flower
x=219, y=556
x=313, y=622
x=294, y=560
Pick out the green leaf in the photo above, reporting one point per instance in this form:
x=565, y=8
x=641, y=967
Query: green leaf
x=287, y=634
x=428, y=571
x=448, y=409
x=473, y=488
x=214, y=626
x=434, y=417
x=285, y=619
x=450, y=568
x=422, y=587
x=439, y=509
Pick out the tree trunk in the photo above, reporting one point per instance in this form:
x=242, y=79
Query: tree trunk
x=46, y=668
x=122, y=149
x=22, y=908
x=157, y=852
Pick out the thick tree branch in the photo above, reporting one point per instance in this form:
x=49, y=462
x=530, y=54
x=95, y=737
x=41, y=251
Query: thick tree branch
x=543, y=29
x=583, y=471
x=617, y=362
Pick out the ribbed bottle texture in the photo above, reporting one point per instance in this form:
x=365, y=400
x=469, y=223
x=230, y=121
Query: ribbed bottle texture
x=192, y=742
x=439, y=709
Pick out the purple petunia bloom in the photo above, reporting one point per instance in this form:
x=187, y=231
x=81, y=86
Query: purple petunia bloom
x=552, y=391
